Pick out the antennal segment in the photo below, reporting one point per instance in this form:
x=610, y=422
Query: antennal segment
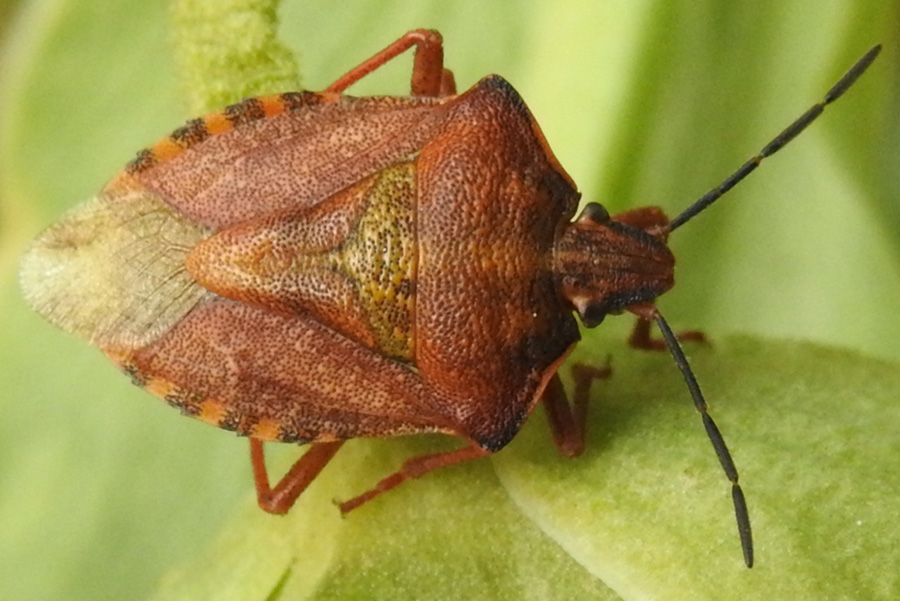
x=715, y=436
x=791, y=132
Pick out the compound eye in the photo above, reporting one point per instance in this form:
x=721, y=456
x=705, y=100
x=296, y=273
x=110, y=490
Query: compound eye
x=593, y=315
x=596, y=212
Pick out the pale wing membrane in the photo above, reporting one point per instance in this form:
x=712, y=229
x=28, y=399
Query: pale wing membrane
x=111, y=271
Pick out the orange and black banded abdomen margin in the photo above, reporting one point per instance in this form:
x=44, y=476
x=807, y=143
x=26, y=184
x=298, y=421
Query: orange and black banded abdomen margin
x=232, y=116
x=211, y=411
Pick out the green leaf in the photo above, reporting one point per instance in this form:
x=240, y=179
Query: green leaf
x=103, y=490
x=454, y=537
x=646, y=510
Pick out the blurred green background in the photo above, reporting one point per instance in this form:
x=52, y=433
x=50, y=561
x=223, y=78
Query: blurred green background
x=103, y=489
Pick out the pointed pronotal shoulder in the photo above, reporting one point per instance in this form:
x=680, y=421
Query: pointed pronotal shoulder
x=495, y=95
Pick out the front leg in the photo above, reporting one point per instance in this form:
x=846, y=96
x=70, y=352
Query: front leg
x=641, y=339
x=567, y=422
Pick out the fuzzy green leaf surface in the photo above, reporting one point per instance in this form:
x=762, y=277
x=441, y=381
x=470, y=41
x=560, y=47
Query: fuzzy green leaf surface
x=106, y=493
x=253, y=63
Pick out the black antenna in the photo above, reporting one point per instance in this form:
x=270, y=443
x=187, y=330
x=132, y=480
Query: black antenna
x=779, y=141
x=715, y=436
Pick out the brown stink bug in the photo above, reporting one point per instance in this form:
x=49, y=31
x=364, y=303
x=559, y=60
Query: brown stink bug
x=314, y=267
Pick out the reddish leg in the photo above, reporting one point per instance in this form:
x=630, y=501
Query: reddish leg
x=284, y=495
x=429, y=78
x=640, y=337
x=567, y=423
x=414, y=468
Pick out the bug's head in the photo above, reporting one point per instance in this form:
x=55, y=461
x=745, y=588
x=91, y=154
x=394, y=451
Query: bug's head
x=607, y=265
x=611, y=264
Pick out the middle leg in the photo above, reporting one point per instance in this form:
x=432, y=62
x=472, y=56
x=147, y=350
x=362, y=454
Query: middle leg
x=415, y=467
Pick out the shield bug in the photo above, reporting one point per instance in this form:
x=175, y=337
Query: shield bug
x=314, y=267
